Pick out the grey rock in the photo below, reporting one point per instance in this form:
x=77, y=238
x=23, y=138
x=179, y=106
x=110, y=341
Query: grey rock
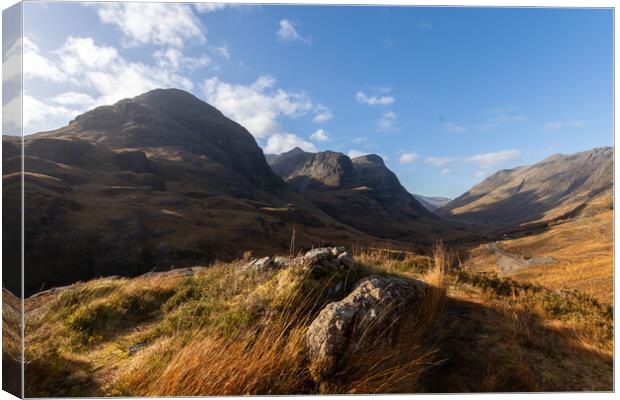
x=316, y=255
x=347, y=261
x=338, y=250
x=133, y=349
x=262, y=263
x=370, y=309
x=280, y=261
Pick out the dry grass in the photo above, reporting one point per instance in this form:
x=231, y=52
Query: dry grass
x=230, y=331
x=582, y=249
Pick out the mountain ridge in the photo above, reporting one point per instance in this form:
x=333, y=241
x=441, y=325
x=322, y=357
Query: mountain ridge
x=545, y=190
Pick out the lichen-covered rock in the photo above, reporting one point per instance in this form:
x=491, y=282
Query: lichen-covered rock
x=369, y=309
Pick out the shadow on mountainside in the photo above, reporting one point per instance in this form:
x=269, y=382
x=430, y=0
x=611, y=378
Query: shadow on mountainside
x=490, y=349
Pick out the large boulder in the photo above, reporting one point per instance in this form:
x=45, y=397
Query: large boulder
x=369, y=310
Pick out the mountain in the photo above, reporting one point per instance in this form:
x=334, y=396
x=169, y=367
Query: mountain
x=159, y=180
x=558, y=186
x=432, y=203
x=361, y=192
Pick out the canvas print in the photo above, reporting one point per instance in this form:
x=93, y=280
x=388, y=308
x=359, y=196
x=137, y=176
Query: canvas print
x=204, y=199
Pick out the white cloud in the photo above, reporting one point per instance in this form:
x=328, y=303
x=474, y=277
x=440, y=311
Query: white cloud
x=259, y=106
x=221, y=51
x=361, y=97
x=74, y=99
x=99, y=72
x=452, y=127
x=487, y=161
x=170, y=24
x=359, y=139
x=282, y=142
x=438, y=161
x=498, y=157
x=446, y=171
x=37, y=111
x=323, y=114
x=211, y=7
x=320, y=135
x=37, y=66
x=555, y=125
x=387, y=122
x=408, y=158
x=173, y=58
x=288, y=32
x=355, y=153
x=12, y=60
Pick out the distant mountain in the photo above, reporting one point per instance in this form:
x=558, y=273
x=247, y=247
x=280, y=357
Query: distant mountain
x=361, y=192
x=158, y=180
x=432, y=203
x=557, y=186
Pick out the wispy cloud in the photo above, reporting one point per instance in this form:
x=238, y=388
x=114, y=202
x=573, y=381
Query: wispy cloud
x=355, y=153
x=387, y=122
x=555, y=125
x=359, y=139
x=363, y=98
x=288, y=32
x=408, y=158
x=281, y=142
x=320, y=135
x=438, y=161
x=487, y=161
x=501, y=116
x=493, y=158
x=453, y=127
x=323, y=114
x=143, y=23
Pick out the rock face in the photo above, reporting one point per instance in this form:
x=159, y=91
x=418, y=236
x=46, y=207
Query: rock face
x=370, y=309
x=558, y=185
x=361, y=192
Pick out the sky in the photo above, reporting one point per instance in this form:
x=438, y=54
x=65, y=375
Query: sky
x=446, y=96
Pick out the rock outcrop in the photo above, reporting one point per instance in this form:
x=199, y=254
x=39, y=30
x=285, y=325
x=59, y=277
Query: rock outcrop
x=318, y=262
x=369, y=310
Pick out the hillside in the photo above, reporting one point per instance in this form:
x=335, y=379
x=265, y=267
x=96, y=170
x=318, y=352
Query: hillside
x=156, y=181
x=557, y=186
x=361, y=192
x=321, y=322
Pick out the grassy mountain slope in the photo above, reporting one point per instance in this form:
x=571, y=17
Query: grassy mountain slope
x=556, y=186
x=229, y=330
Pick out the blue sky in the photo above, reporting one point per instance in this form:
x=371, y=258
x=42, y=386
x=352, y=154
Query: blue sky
x=446, y=95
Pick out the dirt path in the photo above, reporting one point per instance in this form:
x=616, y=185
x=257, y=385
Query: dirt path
x=509, y=263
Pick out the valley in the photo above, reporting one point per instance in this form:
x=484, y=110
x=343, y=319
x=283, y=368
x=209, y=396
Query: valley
x=158, y=233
